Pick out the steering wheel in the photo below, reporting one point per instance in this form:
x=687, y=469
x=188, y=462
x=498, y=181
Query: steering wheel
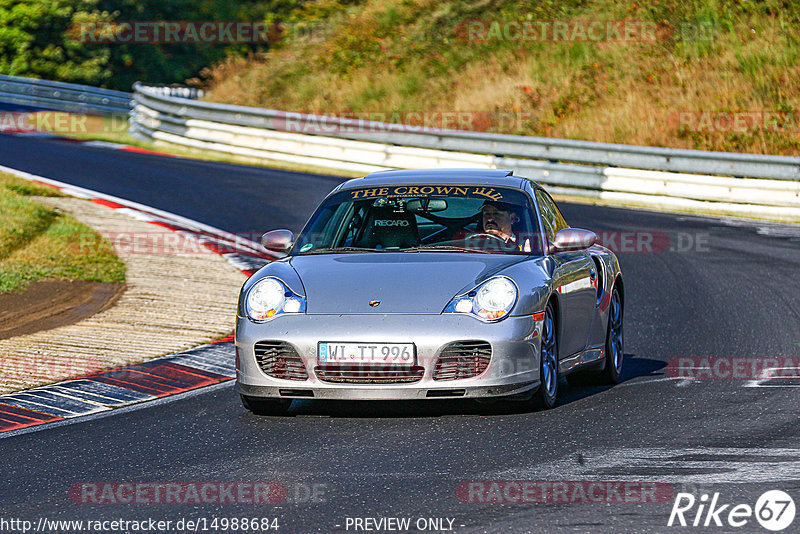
x=474, y=241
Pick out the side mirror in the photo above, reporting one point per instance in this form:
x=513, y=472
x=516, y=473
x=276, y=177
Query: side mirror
x=278, y=240
x=571, y=239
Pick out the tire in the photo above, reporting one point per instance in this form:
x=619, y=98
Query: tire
x=546, y=395
x=261, y=406
x=614, y=341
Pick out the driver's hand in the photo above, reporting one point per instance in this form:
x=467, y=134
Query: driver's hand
x=498, y=233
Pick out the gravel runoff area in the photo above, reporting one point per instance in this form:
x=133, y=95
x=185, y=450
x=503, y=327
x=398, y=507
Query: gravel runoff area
x=173, y=302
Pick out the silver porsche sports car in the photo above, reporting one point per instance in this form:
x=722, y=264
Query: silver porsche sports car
x=430, y=284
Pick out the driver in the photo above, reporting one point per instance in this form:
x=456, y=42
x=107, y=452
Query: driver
x=498, y=218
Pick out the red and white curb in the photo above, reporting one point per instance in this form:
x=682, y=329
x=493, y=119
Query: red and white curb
x=100, y=392
x=170, y=375
x=243, y=253
x=118, y=146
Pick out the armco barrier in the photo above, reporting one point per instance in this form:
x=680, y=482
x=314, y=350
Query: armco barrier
x=61, y=96
x=35, y=93
x=750, y=185
x=739, y=184
x=654, y=158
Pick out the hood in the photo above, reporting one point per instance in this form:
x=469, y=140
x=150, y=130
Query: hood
x=404, y=282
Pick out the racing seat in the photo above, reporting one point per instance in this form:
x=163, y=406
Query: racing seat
x=388, y=227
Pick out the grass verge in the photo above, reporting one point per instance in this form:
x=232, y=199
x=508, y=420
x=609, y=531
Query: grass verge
x=37, y=242
x=702, y=74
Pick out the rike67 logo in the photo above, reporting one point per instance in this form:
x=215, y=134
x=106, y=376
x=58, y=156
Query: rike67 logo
x=774, y=510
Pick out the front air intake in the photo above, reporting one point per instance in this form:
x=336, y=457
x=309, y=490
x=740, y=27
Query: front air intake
x=462, y=359
x=366, y=374
x=278, y=359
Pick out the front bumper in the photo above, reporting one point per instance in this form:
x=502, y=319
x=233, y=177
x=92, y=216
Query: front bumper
x=513, y=367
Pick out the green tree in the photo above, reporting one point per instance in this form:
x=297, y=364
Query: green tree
x=43, y=39
x=37, y=40
x=175, y=63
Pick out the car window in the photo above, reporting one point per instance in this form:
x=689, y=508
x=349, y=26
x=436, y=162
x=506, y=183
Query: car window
x=551, y=216
x=424, y=217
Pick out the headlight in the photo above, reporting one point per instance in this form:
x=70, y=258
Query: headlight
x=490, y=301
x=270, y=297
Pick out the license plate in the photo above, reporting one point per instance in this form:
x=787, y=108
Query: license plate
x=367, y=353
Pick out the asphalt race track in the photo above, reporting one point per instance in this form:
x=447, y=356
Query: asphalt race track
x=715, y=289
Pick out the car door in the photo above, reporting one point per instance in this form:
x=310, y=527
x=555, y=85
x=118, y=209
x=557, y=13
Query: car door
x=573, y=277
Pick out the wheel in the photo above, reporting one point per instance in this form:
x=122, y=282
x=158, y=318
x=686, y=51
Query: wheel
x=545, y=396
x=614, y=342
x=483, y=241
x=261, y=406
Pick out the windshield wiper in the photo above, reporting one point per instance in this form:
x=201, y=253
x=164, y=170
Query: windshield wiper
x=326, y=250
x=446, y=248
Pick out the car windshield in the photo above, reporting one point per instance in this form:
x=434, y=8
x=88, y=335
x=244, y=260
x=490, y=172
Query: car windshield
x=443, y=218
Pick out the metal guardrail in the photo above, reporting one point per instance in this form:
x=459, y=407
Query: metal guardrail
x=175, y=92
x=514, y=146
x=62, y=96
x=743, y=184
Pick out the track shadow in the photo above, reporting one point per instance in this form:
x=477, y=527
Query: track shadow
x=633, y=368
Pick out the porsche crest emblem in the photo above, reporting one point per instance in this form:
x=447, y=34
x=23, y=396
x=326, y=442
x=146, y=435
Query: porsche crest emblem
x=374, y=303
